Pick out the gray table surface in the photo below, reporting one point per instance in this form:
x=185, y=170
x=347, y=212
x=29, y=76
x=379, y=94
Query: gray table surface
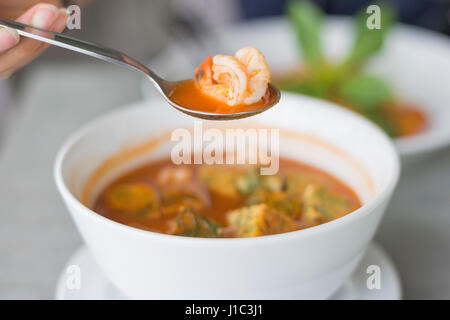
x=37, y=236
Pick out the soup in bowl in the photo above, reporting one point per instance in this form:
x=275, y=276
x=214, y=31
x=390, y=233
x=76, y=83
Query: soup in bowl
x=224, y=201
x=164, y=230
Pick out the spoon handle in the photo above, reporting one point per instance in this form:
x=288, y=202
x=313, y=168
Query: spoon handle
x=84, y=47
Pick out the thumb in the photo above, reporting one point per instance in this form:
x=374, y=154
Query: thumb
x=8, y=38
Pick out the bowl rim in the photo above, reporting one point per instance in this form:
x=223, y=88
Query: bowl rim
x=365, y=209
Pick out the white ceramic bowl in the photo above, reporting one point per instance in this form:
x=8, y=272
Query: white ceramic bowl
x=416, y=62
x=310, y=263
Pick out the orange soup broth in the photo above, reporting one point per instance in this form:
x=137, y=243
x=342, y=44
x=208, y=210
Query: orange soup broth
x=187, y=94
x=220, y=205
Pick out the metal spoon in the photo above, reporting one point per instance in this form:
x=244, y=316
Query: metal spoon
x=110, y=55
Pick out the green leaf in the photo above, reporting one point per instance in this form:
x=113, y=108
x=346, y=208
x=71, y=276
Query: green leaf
x=369, y=41
x=365, y=92
x=190, y=224
x=318, y=83
x=308, y=87
x=376, y=117
x=306, y=19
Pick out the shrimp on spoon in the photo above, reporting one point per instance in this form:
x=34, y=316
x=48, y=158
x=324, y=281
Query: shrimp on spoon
x=229, y=84
x=224, y=88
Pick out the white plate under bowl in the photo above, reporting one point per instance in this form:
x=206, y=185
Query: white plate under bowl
x=416, y=63
x=95, y=286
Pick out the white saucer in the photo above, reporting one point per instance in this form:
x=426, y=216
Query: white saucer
x=95, y=286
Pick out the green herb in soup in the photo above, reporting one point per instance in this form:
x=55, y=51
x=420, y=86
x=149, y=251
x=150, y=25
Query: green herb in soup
x=190, y=224
x=211, y=201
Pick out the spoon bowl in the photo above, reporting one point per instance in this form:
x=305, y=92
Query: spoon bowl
x=169, y=86
x=164, y=87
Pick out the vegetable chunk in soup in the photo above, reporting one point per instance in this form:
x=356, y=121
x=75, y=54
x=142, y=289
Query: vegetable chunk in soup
x=225, y=201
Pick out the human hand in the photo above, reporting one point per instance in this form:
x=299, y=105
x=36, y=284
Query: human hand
x=16, y=51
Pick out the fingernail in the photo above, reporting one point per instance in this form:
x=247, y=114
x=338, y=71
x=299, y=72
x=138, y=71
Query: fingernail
x=64, y=12
x=45, y=16
x=8, y=38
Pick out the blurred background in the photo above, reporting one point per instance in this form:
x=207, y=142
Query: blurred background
x=142, y=28
x=42, y=103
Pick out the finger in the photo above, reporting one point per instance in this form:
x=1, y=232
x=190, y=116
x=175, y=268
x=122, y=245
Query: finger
x=42, y=16
x=8, y=38
x=38, y=15
x=61, y=22
x=58, y=26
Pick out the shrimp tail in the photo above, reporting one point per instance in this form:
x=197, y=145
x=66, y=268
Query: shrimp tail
x=204, y=74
